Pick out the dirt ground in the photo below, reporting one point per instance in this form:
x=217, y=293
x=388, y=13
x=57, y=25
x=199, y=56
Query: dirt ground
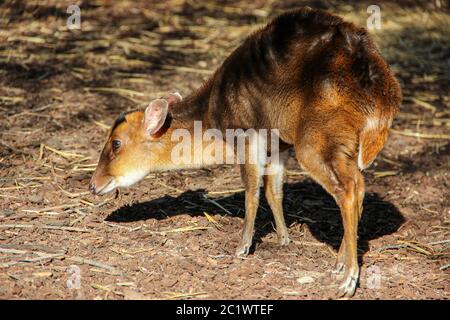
x=173, y=236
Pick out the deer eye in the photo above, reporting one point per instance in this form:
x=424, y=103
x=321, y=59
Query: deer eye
x=116, y=144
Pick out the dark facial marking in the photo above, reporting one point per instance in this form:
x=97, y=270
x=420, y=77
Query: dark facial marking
x=121, y=118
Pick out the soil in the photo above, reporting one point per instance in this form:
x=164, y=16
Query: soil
x=173, y=235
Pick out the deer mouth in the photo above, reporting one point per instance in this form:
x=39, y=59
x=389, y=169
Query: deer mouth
x=109, y=186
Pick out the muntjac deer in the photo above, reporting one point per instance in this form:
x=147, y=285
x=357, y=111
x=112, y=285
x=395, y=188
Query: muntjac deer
x=318, y=80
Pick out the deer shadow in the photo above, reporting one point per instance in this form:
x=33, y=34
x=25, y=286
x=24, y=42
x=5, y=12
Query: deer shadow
x=304, y=202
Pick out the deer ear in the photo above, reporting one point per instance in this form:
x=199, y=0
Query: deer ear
x=173, y=98
x=155, y=116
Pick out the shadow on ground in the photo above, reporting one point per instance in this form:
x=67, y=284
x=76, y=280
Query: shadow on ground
x=304, y=202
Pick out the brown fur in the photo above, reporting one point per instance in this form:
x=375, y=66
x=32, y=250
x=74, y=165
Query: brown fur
x=318, y=79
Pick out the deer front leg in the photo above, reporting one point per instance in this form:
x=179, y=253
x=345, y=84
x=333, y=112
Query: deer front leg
x=273, y=185
x=251, y=177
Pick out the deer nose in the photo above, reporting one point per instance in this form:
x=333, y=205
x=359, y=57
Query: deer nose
x=92, y=188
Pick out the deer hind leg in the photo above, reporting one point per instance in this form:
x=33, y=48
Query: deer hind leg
x=273, y=185
x=340, y=261
x=339, y=175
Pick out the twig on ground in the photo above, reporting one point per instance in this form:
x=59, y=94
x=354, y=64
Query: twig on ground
x=421, y=135
x=216, y=204
x=30, y=226
x=93, y=263
x=182, y=229
x=445, y=266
